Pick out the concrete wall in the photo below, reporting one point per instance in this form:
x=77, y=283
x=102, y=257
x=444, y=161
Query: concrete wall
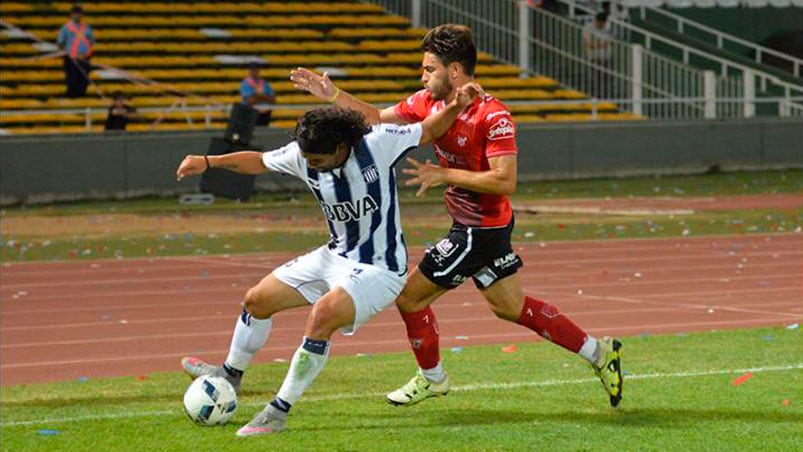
x=43, y=169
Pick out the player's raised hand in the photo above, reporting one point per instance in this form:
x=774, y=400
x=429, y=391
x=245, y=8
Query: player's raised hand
x=426, y=175
x=191, y=165
x=467, y=93
x=318, y=85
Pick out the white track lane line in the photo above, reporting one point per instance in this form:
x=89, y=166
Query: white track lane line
x=523, y=335
x=609, y=261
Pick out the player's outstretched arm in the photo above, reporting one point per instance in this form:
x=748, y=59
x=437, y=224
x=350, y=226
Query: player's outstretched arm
x=245, y=162
x=435, y=125
x=322, y=87
x=500, y=179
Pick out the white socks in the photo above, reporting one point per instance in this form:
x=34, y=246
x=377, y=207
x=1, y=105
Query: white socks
x=589, y=349
x=307, y=363
x=249, y=336
x=434, y=375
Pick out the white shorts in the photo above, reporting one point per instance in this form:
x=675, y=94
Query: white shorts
x=317, y=272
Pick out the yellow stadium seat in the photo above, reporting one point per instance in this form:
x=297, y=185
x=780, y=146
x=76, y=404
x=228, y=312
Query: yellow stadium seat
x=175, y=63
x=14, y=7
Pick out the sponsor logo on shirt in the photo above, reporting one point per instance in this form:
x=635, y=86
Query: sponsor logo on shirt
x=398, y=130
x=452, y=159
x=492, y=115
x=461, y=141
x=350, y=211
x=503, y=128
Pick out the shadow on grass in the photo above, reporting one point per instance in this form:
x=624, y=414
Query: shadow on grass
x=669, y=418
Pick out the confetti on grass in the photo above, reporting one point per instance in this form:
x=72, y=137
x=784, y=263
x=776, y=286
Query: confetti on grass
x=741, y=379
x=47, y=432
x=510, y=349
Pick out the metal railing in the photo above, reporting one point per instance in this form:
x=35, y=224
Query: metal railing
x=89, y=114
x=541, y=42
x=596, y=108
x=761, y=81
x=630, y=71
x=723, y=41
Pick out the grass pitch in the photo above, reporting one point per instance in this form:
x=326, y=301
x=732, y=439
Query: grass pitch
x=679, y=395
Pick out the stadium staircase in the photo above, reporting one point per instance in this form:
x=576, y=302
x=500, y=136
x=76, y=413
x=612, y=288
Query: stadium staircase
x=720, y=43
x=193, y=54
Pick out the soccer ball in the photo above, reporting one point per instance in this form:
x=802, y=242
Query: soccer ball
x=210, y=401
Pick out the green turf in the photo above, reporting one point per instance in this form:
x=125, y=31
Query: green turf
x=678, y=396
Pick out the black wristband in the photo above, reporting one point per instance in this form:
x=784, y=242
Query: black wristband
x=206, y=159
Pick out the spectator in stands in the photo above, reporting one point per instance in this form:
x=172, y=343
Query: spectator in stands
x=597, y=39
x=76, y=40
x=119, y=113
x=256, y=93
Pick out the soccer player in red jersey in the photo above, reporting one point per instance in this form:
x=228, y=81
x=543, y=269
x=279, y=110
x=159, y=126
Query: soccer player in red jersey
x=477, y=159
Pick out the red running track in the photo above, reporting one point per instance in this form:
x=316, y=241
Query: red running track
x=65, y=320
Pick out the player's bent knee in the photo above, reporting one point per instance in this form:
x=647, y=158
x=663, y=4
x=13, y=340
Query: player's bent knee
x=407, y=304
x=322, y=323
x=505, y=313
x=328, y=315
x=257, y=304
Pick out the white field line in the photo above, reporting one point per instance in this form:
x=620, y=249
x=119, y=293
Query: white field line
x=463, y=388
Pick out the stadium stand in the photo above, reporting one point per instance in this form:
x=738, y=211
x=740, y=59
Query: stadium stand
x=193, y=54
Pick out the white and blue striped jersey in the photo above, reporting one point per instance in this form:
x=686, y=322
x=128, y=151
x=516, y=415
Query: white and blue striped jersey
x=359, y=199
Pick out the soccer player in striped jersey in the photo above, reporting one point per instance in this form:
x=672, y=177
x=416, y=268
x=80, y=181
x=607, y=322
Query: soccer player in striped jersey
x=477, y=159
x=348, y=166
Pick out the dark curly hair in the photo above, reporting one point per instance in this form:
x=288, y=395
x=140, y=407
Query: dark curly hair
x=320, y=131
x=452, y=43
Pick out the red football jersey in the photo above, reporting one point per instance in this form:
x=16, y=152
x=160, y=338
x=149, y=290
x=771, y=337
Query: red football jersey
x=483, y=130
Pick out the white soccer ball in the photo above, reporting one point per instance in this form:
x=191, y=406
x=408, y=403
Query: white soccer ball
x=210, y=401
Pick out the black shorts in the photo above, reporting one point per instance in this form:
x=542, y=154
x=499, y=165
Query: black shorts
x=483, y=254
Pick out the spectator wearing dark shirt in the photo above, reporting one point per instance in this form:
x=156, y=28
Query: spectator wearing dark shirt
x=119, y=113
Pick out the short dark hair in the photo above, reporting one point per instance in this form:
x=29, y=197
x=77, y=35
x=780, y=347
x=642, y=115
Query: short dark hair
x=118, y=95
x=602, y=17
x=320, y=131
x=452, y=43
x=77, y=8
